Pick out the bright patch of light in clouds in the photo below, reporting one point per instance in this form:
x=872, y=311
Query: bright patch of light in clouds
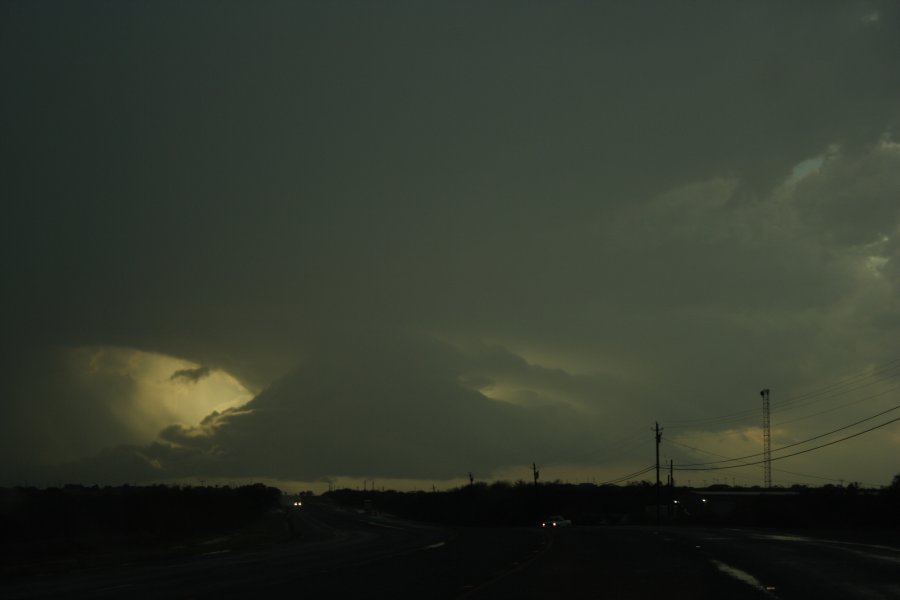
x=156, y=399
x=807, y=167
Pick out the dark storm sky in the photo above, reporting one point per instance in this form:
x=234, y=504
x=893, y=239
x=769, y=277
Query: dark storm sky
x=438, y=237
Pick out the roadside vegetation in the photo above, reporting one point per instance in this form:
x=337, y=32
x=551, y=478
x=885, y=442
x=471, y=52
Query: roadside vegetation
x=503, y=504
x=78, y=525
x=59, y=528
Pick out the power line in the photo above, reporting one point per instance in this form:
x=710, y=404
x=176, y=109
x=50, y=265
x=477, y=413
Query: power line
x=629, y=476
x=875, y=416
x=843, y=439
x=741, y=465
x=858, y=401
x=842, y=383
x=837, y=388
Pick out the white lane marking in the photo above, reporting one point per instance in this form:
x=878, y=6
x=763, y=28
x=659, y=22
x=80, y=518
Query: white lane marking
x=894, y=559
x=384, y=525
x=797, y=538
x=784, y=538
x=743, y=576
x=432, y=546
x=842, y=545
x=214, y=541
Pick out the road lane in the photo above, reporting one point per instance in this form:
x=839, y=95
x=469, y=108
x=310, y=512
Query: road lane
x=336, y=552
x=327, y=539
x=344, y=553
x=616, y=562
x=801, y=566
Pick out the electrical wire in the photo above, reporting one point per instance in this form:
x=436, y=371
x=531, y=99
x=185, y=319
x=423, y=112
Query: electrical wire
x=892, y=365
x=629, y=476
x=816, y=437
x=831, y=443
x=883, y=371
x=840, y=406
x=742, y=465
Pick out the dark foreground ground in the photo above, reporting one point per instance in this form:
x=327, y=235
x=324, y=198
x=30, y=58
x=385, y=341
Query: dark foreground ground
x=340, y=553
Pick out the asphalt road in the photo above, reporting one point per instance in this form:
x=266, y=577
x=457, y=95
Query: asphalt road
x=346, y=554
x=789, y=565
x=643, y=563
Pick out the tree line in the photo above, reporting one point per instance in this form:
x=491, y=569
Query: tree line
x=76, y=518
x=522, y=504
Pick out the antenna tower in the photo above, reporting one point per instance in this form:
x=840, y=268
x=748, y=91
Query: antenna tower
x=767, y=439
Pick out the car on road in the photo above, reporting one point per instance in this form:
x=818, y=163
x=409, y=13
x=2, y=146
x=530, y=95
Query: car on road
x=556, y=521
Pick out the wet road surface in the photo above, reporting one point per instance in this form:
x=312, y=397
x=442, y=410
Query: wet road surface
x=342, y=553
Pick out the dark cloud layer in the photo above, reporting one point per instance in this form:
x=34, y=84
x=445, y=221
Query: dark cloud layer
x=394, y=408
x=630, y=211
x=190, y=375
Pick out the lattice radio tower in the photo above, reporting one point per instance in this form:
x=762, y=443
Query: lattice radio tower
x=767, y=439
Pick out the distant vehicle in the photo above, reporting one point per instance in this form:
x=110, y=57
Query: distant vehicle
x=556, y=521
x=297, y=503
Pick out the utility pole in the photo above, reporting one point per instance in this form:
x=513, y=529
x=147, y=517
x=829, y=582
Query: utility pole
x=658, y=439
x=767, y=440
x=671, y=487
x=471, y=478
x=535, y=473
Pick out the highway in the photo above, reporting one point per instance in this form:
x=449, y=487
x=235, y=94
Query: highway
x=642, y=562
x=801, y=565
x=342, y=553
